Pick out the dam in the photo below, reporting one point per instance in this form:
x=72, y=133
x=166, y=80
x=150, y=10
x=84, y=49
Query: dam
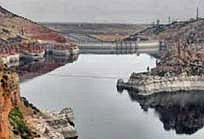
x=88, y=44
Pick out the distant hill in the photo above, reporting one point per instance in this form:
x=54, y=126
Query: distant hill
x=98, y=28
x=105, y=32
x=12, y=25
x=192, y=30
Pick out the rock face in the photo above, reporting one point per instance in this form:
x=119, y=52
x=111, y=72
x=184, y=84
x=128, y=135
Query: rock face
x=9, y=98
x=55, y=125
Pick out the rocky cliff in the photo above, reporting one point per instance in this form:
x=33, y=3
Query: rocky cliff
x=20, y=119
x=9, y=98
x=12, y=107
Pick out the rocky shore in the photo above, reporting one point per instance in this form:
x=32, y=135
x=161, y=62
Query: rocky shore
x=181, y=68
x=54, y=125
x=148, y=85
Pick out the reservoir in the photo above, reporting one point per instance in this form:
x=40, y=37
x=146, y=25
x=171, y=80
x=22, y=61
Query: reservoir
x=88, y=85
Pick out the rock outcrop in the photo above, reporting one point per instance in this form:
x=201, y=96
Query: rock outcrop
x=55, y=125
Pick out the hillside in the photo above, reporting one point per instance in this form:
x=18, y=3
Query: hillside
x=105, y=32
x=191, y=31
x=12, y=26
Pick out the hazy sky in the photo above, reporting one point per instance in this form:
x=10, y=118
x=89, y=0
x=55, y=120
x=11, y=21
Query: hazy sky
x=122, y=11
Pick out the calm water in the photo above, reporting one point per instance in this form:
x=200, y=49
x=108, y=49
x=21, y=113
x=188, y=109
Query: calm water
x=89, y=86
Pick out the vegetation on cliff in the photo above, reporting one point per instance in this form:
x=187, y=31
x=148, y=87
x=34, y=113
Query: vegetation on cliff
x=18, y=124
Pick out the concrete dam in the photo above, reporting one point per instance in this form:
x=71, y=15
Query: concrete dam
x=89, y=44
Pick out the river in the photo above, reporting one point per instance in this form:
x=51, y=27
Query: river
x=88, y=85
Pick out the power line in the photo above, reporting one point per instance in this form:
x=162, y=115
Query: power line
x=84, y=76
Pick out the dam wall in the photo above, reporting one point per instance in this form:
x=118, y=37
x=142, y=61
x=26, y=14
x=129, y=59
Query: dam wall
x=120, y=47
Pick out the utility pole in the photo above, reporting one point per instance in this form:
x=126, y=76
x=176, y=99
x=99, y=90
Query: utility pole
x=197, y=13
x=158, y=22
x=169, y=20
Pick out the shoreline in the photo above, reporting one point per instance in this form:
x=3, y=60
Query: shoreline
x=181, y=69
x=149, y=86
x=47, y=124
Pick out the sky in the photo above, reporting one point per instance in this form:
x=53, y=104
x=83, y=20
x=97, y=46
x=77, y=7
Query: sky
x=104, y=11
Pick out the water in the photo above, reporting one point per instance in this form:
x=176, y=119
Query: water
x=88, y=85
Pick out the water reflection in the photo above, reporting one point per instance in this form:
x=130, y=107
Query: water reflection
x=28, y=70
x=181, y=111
